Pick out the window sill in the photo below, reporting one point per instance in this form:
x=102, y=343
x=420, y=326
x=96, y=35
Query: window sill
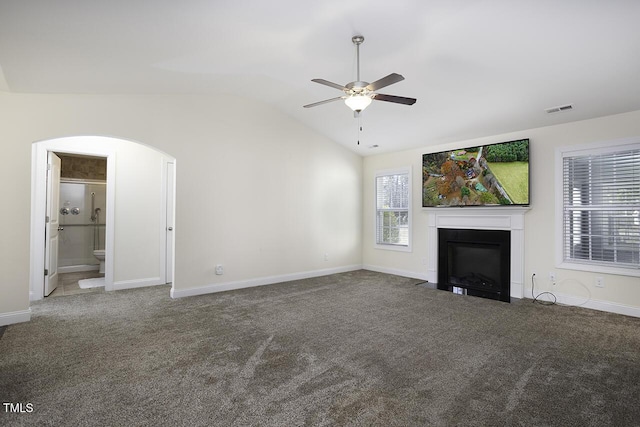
x=397, y=248
x=600, y=269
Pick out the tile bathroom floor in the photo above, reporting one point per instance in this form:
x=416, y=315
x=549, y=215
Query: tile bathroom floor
x=68, y=283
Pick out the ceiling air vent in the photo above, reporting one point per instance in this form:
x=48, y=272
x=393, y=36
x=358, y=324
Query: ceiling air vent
x=559, y=109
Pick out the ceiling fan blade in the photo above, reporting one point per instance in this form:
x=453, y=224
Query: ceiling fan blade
x=385, y=81
x=326, y=101
x=328, y=83
x=393, y=98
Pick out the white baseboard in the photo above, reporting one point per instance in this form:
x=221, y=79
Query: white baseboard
x=610, y=307
x=260, y=281
x=15, y=317
x=397, y=272
x=561, y=298
x=138, y=283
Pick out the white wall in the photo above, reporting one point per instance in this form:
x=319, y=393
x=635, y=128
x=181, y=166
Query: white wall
x=139, y=219
x=620, y=294
x=256, y=191
x=264, y=197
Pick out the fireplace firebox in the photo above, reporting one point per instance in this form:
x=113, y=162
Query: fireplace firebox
x=475, y=262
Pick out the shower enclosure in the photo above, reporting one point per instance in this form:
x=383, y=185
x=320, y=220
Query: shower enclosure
x=82, y=223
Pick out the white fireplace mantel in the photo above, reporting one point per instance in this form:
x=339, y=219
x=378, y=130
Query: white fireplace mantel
x=481, y=218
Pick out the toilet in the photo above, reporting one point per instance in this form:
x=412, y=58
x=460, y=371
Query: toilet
x=99, y=254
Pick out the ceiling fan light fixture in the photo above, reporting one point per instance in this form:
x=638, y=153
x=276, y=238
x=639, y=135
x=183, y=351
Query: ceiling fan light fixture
x=358, y=102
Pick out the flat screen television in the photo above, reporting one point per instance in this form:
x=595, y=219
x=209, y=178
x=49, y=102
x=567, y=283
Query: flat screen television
x=487, y=175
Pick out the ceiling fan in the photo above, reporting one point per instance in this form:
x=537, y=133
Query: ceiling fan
x=359, y=94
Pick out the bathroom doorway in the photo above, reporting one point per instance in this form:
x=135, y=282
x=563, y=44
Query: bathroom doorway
x=143, y=253
x=81, y=219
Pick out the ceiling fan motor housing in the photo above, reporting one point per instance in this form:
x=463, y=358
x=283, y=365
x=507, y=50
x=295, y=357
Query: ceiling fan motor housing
x=357, y=88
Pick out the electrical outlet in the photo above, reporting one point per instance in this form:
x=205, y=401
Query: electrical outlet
x=599, y=282
x=219, y=270
x=552, y=277
x=326, y=257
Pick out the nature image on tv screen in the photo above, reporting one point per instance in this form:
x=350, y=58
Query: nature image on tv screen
x=488, y=175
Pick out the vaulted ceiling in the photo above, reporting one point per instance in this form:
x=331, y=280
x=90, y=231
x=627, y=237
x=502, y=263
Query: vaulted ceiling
x=477, y=67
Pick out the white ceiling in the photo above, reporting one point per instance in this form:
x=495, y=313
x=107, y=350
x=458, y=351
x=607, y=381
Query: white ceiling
x=477, y=67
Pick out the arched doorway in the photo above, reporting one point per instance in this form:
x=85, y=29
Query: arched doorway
x=139, y=211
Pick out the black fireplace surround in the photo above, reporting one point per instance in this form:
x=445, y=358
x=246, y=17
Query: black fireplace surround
x=477, y=261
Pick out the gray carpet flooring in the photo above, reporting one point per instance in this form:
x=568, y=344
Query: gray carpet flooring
x=358, y=348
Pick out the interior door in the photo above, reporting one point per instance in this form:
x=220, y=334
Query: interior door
x=52, y=224
x=170, y=220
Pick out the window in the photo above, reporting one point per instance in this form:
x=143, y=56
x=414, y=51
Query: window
x=600, y=204
x=393, y=205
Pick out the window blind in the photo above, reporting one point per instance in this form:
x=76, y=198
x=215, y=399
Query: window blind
x=601, y=208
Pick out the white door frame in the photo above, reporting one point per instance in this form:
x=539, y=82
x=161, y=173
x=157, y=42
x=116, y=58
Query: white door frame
x=39, y=151
x=170, y=197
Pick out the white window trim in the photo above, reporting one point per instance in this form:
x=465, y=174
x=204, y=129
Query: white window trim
x=390, y=247
x=577, y=150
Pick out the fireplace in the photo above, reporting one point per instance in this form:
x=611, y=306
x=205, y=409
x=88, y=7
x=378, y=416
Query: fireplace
x=509, y=219
x=475, y=262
